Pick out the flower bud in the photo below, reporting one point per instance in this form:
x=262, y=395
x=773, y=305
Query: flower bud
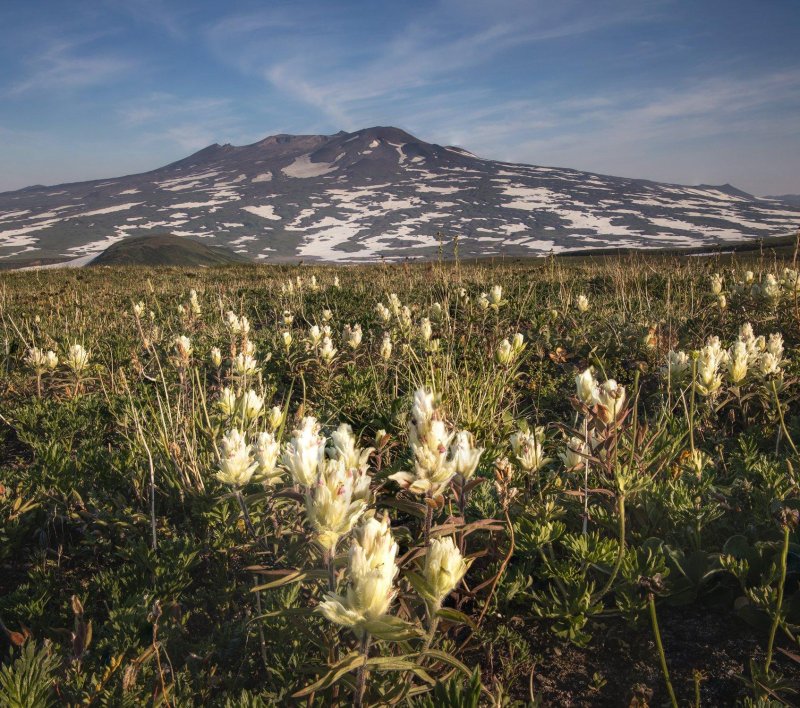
x=443, y=570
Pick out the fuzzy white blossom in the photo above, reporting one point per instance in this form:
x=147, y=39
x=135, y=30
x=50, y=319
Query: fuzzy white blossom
x=244, y=365
x=250, y=405
x=344, y=446
x=495, y=297
x=183, y=349
x=266, y=451
x=737, y=362
x=582, y=303
x=326, y=350
x=227, y=402
x=465, y=455
x=371, y=573
x=509, y=350
x=236, y=465
x=77, y=359
x=574, y=455
x=38, y=360
x=352, y=336
x=304, y=452
x=768, y=364
x=528, y=449
x=194, y=303
x=386, y=347
x=383, y=312
x=336, y=501
x=677, y=367
x=444, y=567
x=586, y=386
x=216, y=357
x=425, y=329
x=429, y=439
x=610, y=400
x=274, y=417
x=51, y=360
x=709, y=360
x=314, y=335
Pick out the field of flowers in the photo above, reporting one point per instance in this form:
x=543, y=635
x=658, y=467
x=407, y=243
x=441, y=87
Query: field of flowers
x=545, y=483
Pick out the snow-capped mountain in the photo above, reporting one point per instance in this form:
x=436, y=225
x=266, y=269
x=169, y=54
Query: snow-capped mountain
x=374, y=193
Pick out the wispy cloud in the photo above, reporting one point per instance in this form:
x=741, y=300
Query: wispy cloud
x=190, y=123
x=70, y=64
x=165, y=16
x=343, y=80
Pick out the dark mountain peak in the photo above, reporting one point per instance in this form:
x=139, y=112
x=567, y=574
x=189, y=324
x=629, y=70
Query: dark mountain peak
x=727, y=188
x=388, y=133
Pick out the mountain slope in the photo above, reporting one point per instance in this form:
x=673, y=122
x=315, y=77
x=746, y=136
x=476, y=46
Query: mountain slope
x=378, y=192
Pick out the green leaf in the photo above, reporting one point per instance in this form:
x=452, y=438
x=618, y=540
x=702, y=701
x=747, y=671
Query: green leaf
x=349, y=663
x=288, y=577
x=449, y=659
x=452, y=615
x=420, y=585
x=392, y=629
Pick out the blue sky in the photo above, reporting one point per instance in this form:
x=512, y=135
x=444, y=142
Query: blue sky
x=690, y=91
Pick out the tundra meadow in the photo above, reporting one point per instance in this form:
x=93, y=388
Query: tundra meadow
x=552, y=482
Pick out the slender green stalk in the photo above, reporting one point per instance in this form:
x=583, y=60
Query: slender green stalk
x=245, y=514
x=426, y=532
x=780, y=417
x=620, y=552
x=330, y=557
x=691, y=406
x=697, y=678
x=586, y=477
x=651, y=601
x=361, y=677
x=779, y=603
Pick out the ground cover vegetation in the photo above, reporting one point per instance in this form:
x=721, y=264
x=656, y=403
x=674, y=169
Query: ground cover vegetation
x=563, y=482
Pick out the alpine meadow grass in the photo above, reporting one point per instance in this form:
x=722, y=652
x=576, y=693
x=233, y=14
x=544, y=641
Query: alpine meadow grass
x=547, y=482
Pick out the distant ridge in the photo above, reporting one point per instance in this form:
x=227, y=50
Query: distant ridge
x=793, y=199
x=378, y=193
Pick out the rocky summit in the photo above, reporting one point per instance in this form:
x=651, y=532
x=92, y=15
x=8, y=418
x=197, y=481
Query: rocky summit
x=376, y=193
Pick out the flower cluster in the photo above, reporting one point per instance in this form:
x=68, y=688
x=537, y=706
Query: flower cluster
x=371, y=572
x=436, y=461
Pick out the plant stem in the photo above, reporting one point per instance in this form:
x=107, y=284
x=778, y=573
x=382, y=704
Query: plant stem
x=243, y=505
x=586, y=477
x=697, y=678
x=361, y=677
x=426, y=532
x=330, y=557
x=462, y=510
x=651, y=601
x=780, y=417
x=691, y=406
x=620, y=552
x=779, y=604
x=434, y=624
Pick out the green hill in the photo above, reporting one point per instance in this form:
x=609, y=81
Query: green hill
x=166, y=250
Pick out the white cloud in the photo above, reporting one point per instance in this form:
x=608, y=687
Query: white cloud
x=67, y=64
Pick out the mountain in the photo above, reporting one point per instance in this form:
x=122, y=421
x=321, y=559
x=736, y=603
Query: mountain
x=376, y=193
